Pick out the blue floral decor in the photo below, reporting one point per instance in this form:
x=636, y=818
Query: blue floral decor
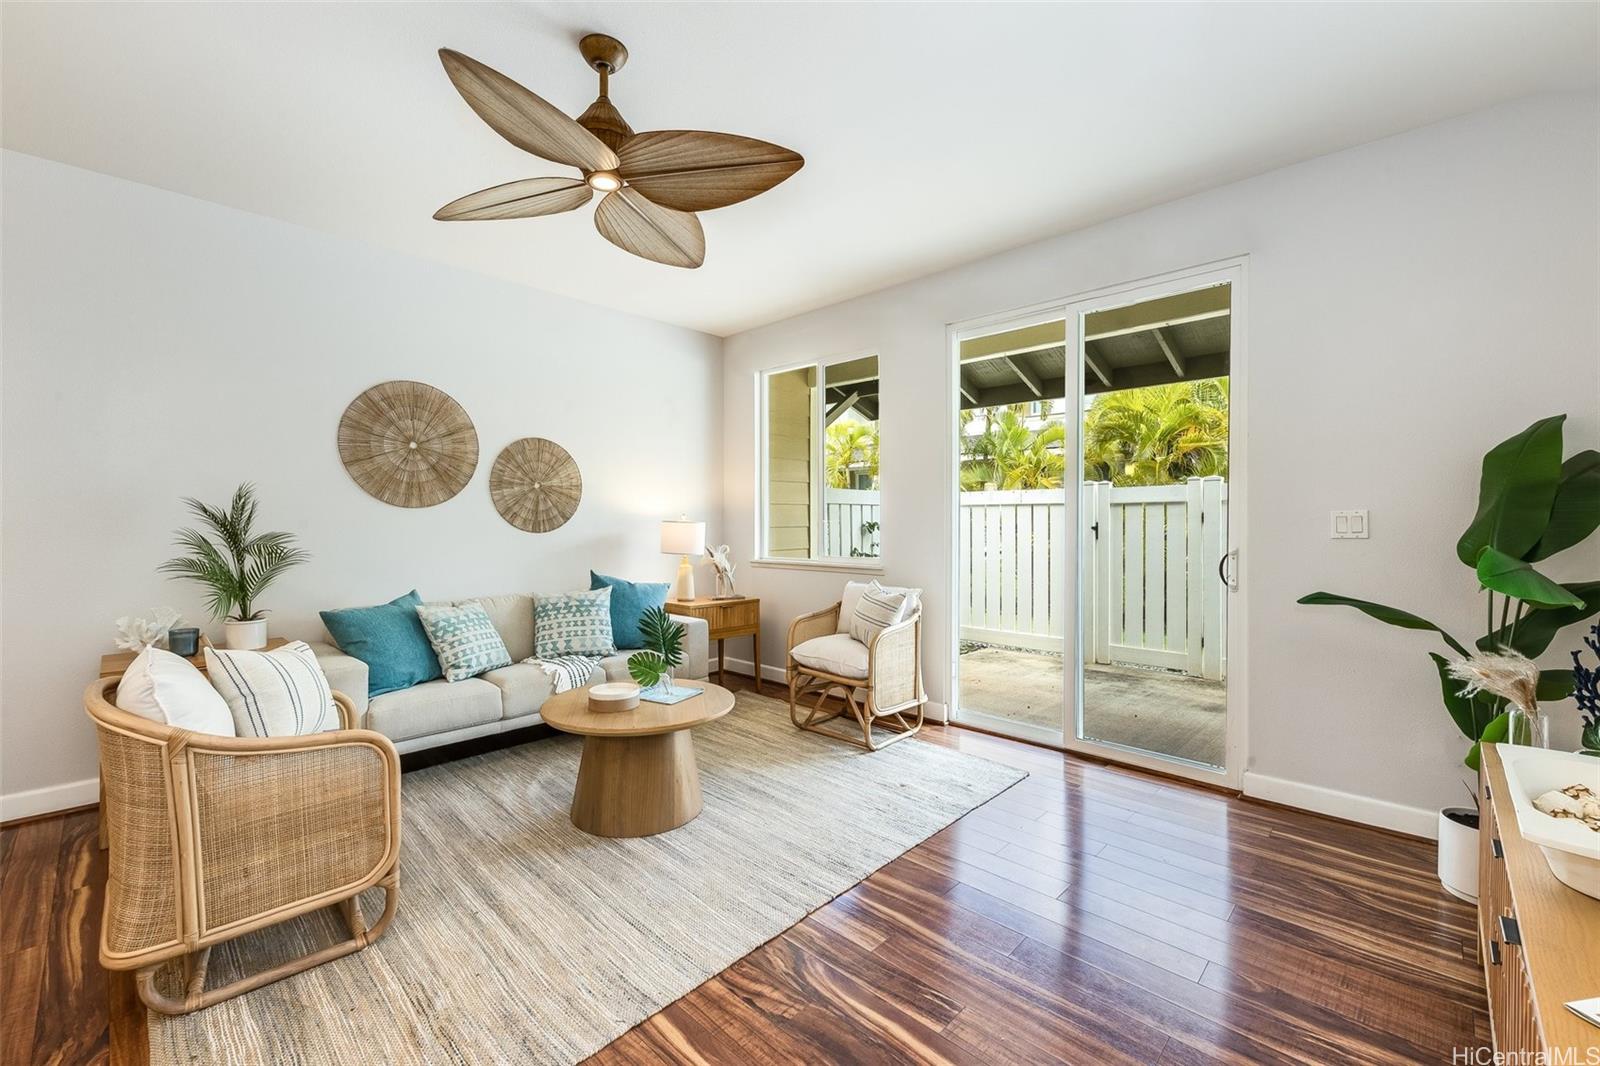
x=1586, y=690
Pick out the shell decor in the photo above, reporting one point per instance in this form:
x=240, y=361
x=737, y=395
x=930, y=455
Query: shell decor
x=408, y=444
x=535, y=484
x=137, y=634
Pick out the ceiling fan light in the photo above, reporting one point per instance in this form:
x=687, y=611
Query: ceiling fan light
x=604, y=181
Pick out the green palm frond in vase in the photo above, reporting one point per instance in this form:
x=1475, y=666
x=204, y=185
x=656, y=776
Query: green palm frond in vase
x=663, y=643
x=235, y=564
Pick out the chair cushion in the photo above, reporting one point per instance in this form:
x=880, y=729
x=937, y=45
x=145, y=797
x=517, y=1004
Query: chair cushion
x=629, y=601
x=464, y=639
x=574, y=623
x=876, y=610
x=852, y=596
x=390, y=639
x=512, y=615
x=278, y=693
x=523, y=688
x=167, y=688
x=434, y=707
x=837, y=653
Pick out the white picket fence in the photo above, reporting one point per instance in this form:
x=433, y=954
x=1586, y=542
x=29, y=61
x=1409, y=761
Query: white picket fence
x=850, y=522
x=1152, y=594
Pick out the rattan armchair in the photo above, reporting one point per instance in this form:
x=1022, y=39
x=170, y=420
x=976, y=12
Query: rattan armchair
x=213, y=837
x=890, y=697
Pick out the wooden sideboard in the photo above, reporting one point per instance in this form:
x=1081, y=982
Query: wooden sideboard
x=1539, y=940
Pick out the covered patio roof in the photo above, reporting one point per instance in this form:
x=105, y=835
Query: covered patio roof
x=1157, y=342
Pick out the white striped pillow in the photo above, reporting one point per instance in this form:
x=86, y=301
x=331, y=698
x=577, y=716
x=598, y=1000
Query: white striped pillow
x=277, y=693
x=877, y=610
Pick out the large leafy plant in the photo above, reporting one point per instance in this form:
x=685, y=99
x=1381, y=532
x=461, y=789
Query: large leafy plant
x=663, y=642
x=234, y=563
x=1531, y=506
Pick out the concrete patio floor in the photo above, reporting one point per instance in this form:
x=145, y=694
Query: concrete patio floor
x=1152, y=710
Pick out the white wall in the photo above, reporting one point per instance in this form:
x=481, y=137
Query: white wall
x=1411, y=302
x=157, y=346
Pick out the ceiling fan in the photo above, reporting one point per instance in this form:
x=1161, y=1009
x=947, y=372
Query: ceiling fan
x=653, y=182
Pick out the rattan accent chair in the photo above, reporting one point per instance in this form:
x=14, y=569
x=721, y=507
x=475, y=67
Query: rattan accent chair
x=887, y=696
x=213, y=837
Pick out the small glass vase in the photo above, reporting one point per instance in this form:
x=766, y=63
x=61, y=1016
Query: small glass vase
x=664, y=685
x=1529, y=730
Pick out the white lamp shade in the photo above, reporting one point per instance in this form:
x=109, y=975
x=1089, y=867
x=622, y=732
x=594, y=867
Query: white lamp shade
x=683, y=537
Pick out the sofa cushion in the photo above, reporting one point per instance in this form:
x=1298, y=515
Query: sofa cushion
x=389, y=638
x=277, y=693
x=434, y=707
x=512, y=615
x=167, y=688
x=464, y=639
x=523, y=688
x=615, y=667
x=836, y=653
x=629, y=601
x=573, y=623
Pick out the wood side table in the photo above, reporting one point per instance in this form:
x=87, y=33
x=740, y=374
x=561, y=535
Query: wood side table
x=736, y=617
x=116, y=664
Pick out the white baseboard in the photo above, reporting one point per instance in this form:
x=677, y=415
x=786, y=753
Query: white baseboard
x=1416, y=821
x=935, y=712
x=16, y=805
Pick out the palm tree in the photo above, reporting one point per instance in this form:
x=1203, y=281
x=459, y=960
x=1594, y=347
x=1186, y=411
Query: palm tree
x=850, y=448
x=1158, y=435
x=1010, y=454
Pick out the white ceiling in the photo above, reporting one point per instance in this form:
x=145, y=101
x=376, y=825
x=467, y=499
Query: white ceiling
x=933, y=133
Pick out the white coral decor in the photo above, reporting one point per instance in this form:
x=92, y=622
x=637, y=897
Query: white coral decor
x=137, y=634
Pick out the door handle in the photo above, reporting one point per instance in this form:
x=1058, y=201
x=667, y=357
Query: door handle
x=1229, y=575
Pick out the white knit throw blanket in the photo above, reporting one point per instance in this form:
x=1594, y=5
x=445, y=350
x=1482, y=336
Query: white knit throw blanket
x=567, y=671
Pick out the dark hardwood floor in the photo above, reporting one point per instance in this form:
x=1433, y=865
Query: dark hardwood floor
x=1090, y=914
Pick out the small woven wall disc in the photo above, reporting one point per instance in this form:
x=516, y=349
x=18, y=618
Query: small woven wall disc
x=535, y=484
x=408, y=444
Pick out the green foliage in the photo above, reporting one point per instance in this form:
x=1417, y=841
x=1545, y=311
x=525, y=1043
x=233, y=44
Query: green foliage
x=850, y=447
x=1159, y=435
x=1530, y=506
x=663, y=643
x=1009, y=454
x=238, y=565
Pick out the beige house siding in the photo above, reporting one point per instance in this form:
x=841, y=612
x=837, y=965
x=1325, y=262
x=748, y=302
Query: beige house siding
x=789, y=459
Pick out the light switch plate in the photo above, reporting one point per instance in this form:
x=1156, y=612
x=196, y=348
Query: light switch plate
x=1349, y=525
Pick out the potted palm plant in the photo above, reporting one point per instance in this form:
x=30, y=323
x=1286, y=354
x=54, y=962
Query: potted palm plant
x=235, y=567
x=1531, y=506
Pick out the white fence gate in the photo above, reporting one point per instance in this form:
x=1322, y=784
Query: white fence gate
x=1152, y=595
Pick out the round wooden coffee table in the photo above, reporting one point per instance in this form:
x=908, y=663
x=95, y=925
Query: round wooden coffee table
x=637, y=776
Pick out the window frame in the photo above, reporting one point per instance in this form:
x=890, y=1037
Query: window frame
x=814, y=561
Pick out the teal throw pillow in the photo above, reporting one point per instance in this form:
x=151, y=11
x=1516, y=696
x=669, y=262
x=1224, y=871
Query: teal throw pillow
x=464, y=639
x=390, y=639
x=629, y=601
x=574, y=623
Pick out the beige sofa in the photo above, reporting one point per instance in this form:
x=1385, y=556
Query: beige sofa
x=443, y=712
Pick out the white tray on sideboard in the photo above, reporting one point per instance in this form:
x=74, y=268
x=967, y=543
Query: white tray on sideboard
x=1571, y=848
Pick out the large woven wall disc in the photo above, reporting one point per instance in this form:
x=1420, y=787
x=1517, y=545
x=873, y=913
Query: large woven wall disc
x=535, y=484
x=408, y=444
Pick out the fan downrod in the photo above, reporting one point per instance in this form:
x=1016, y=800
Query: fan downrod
x=604, y=53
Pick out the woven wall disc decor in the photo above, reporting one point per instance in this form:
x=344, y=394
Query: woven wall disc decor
x=535, y=484
x=408, y=444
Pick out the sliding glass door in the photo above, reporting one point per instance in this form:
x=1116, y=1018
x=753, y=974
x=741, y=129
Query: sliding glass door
x=1095, y=560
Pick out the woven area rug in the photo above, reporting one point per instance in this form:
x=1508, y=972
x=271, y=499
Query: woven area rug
x=521, y=939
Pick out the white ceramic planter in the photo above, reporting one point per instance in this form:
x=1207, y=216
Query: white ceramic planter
x=245, y=636
x=1458, y=854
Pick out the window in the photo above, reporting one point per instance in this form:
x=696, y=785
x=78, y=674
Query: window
x=820, y=469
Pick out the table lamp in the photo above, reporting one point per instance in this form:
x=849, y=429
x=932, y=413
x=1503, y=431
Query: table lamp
x=684, y=538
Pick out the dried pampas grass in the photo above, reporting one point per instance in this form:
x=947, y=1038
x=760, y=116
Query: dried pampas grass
x=1508, y=674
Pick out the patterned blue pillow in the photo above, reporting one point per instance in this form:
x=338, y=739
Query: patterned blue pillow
x=575, y=623
x=464, y=639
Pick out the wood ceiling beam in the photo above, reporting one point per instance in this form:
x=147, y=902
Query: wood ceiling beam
x=1029, y=378
x=840, y=408
x=1169, y=351
x=968, y=389
x=1094, y=364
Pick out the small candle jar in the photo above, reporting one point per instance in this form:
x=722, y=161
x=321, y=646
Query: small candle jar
x=185, y=642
